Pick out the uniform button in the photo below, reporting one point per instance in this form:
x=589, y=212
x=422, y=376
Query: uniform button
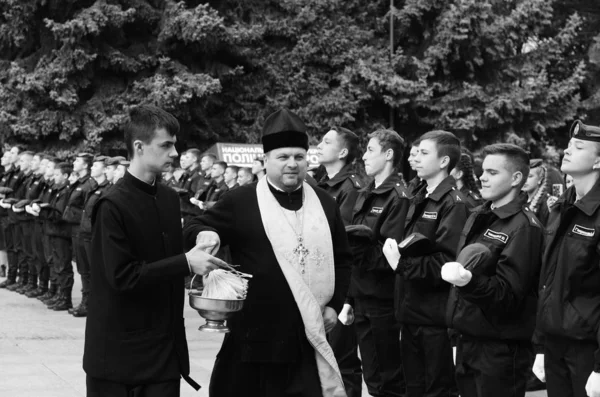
x=543, y=286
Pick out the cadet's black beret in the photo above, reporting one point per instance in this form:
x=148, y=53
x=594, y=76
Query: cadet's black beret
x=585, y=132
x=112, y=161
x=124, y=163
x=100, y=158
x=284, y=129
x=85, y=155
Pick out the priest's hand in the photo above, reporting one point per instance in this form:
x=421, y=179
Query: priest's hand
x=211, y=240
x=346, y=316
x=592, y=387
x=202, y=262
x=538, y=367
x=455, y=273
x=329, y=318
x=391, y=252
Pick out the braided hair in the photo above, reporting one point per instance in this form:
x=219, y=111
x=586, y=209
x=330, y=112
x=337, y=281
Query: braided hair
x=465, y=165
x=540, y=193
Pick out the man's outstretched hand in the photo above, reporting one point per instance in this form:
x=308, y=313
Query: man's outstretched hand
x=201, y=262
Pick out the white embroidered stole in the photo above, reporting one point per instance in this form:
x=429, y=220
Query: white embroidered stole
x=313, y=288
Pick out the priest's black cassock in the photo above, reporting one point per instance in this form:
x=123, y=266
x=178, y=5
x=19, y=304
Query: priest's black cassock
x=267, y=352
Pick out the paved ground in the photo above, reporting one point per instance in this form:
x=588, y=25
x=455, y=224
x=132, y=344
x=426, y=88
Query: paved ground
x=41, y=350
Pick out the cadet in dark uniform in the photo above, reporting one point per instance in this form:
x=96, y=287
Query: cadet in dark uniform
x=569, y=298
x=59, y=233
x=230, y=177
x=217, y=187
x=101, y=185
x=337, y=151
x=415, y=183
x=10, y=180
x=190, y=182
x=465, y=181
x=245, y=176
x=492, y=303
x=135, y=340
x=382, y=206
x=439, y=212
x=111, y=167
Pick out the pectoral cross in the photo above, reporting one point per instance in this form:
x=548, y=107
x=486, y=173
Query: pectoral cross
x=301, y=252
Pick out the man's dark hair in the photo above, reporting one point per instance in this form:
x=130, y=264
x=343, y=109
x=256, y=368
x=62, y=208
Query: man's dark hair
x=235, y=168
x=144, y=121
x=516, y=156
x=415, y=143
x=65, y=168
x=88, y=159
x=196, y=153
x=247, y=170
x=221, y=164
x=390, y=139
x=447, y=144
x=350, y=141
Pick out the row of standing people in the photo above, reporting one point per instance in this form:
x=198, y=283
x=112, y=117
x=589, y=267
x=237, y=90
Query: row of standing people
x=406, y=294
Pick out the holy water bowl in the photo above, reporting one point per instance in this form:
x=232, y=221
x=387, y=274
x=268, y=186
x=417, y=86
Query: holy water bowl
x=214, y=311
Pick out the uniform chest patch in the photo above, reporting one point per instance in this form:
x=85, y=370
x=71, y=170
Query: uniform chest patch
x=429, y=215
x=584, y=231
x=496, y=236
x=376, y=210
x=78, y=189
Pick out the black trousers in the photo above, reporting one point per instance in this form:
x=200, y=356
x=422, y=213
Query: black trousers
x=22, y=259
x=104, y=388
x=61, y=261
x=82, y=249
x=428, y=351
x=344, y=343
x=378, y=335
x=53, y=276
x=492, y=368
x=568, y=364
x=27, y=231
x=231, y=377
x=10, y=248
x=39, y=258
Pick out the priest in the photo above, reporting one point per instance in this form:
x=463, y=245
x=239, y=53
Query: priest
x=291, y=238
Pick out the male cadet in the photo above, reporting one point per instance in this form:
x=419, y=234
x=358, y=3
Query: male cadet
x=111, y=167
x=135, y=342
x=121, y=169
x=40, y=242
x=569, y=298
x=292, y=239
x=190, y=182
x=59, y=236
x=34, y=186
x=438, y=212
x=493, y=301
x=3, y=256
x=97, y=172
x=337, y=151
x=245, y=176
x=382, y=207
x=217, y=187
x=72, y=214
x=230, y=177
x=10, y=180
x=17, y=214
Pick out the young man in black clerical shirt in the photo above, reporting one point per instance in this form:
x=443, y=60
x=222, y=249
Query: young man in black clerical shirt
x=135, y=336
x=292, y=239
x=381, y=207
x=492, y=301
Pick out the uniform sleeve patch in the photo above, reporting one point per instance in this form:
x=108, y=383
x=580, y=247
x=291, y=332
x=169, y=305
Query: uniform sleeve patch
x=491, y=234
x=376, y=210
x=584, y=231
x=429, y=215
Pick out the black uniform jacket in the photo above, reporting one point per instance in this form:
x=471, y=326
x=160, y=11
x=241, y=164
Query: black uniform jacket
x=383, y=209
x=500, y=300
x=269, y=328
x=85, y=231
x=343, y=187
x=79, y=191
x=440, y=217
x=8, y=180
x=215, y=191
x=135, y=329
x=569, y=293
x=33, y=188
x=19, y=186
x=56, y=226
x=191, y=183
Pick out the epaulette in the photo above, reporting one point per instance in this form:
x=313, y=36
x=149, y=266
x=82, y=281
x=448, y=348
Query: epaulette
x=533, y=220
x=455, y=194
x=356, y=181
x=474, y=195
x=400, y=190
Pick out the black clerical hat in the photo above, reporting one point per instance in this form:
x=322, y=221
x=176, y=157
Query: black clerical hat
x=585, y=132
x=284, y=129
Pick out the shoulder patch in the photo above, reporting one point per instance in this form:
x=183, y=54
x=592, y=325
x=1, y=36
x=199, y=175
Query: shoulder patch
x=491, y=234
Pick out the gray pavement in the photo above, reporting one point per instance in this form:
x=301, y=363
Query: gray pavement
x=41, y=350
